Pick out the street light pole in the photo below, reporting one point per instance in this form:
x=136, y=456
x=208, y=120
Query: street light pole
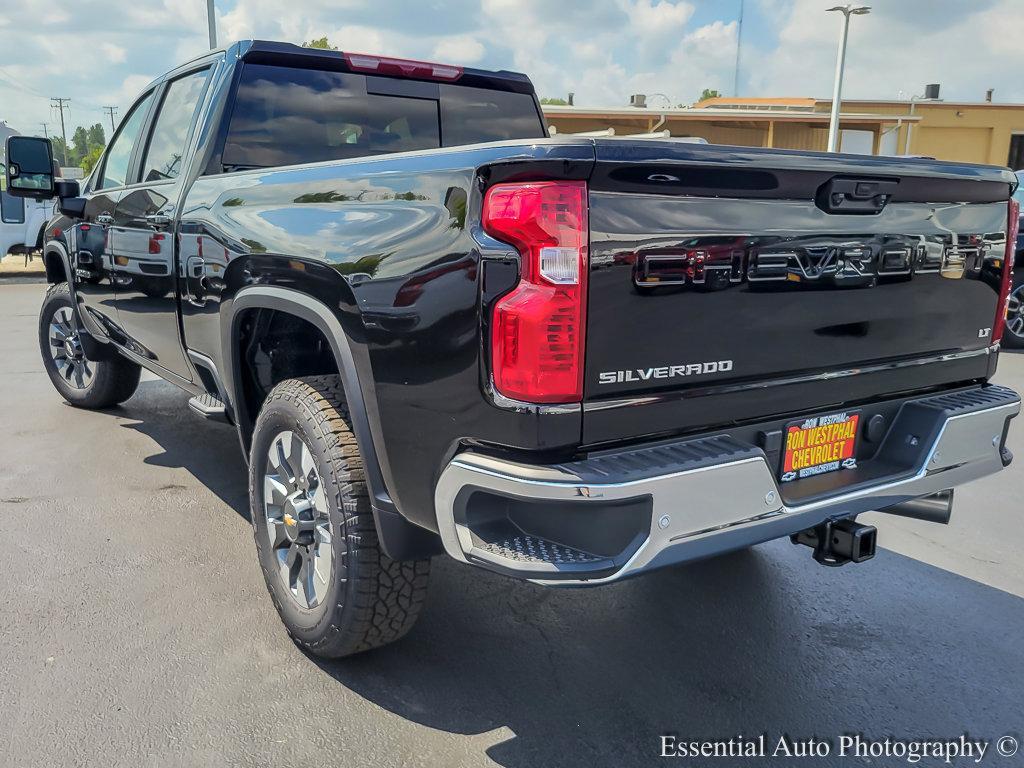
x=211, y=20
x=837, y=90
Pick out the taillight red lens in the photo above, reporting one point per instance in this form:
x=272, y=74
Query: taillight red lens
x=383, y=65
x=1012, y=227
x=538, y=330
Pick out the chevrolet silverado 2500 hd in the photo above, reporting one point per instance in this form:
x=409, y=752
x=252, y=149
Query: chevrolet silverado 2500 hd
x=565, y=360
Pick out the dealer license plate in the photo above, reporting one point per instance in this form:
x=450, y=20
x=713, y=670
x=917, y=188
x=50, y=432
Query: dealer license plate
x=820, y=444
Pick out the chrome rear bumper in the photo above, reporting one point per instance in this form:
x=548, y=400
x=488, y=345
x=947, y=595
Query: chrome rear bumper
x=694, y=498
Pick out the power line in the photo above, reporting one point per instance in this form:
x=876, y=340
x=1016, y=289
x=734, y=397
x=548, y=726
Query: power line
x=110, y=111
x=60, y=104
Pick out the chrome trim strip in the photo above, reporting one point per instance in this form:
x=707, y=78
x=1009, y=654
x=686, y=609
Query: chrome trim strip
x=740, y=500
x=725, y=389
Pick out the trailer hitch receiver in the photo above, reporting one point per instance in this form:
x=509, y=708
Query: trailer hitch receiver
x=837, y=542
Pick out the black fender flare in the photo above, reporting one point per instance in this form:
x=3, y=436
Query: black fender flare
x=400, y=539
x=56, y=248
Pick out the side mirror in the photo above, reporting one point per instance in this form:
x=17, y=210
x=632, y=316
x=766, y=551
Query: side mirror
x=29, y=167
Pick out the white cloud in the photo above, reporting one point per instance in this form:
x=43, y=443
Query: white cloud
x=114, y=54
x=660, y=17
x=461, y=49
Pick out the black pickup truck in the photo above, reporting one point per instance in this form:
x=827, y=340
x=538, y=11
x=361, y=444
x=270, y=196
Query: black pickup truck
x=565, y=360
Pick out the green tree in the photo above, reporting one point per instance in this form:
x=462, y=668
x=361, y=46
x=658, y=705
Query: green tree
x=709, y=93
x=85, y=147
x=58, y=150
x=90, y=160
x=320, y=42
x=555, y=102
x=79, y=146
x=97, y=136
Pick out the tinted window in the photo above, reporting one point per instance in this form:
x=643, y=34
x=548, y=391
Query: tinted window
x=115, y=167
x=287, y=116
x=167, y=142
x=12, y=209
x=473, y=115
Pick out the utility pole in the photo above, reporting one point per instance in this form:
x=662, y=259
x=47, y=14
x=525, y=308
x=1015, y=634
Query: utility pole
x=110, y=111
x=833, y=120
x=46, y=133
x=211, y=21
x=61, y=103
x=739, y=42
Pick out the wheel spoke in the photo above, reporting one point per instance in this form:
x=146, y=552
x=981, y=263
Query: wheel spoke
x=287, y=474
x=274, y=494
x=323, y=532
x=318, y=500
x=275, y=528
x=322, y=567
x=305, y=581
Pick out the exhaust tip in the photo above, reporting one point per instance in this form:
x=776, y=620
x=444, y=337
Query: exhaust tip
x=937, y=508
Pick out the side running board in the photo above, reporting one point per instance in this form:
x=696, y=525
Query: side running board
x=209, y=407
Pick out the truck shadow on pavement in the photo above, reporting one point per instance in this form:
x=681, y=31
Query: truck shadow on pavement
x=208, y=450
x=761, y=641
x=757, y=642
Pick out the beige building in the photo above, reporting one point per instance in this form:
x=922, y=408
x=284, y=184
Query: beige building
x=972, y=132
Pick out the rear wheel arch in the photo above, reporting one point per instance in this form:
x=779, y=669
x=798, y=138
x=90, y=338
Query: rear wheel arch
x=400, y=539
x=307, y=309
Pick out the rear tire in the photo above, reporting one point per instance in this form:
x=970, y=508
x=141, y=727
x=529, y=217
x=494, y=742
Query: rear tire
x=1013, y=334
x=84, y=383
x=335, y=589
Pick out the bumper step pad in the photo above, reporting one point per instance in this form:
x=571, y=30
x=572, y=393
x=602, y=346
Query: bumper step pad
x=524, y=548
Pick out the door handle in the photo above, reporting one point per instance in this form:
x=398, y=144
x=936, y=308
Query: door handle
x=158, y=220
x=105, y=219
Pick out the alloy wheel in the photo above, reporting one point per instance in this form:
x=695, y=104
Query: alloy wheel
x=298, y=520
x=66, y=350
x=1015, y=313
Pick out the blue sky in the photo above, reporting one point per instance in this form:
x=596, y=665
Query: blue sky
x=100, y=52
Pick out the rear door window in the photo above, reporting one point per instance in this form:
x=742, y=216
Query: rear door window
x=170, y=132
x=119, y=154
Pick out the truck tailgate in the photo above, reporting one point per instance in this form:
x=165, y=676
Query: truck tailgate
x=730, y=283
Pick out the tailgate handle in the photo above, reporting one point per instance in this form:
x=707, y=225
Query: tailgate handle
x=845, y=194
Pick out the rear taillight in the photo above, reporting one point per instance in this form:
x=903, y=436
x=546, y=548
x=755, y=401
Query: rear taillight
x=383, y=65
x=1012, y=227
x=537, y=330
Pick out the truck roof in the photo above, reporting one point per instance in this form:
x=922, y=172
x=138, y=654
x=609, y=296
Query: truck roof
x=291, y=55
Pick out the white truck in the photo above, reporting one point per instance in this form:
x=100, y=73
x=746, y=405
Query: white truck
x=21, y=223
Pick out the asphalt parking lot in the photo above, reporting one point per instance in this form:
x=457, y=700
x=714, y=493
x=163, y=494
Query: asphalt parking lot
x=137, y=631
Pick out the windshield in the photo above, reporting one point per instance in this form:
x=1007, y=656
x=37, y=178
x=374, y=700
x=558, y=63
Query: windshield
x=1019, y=194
